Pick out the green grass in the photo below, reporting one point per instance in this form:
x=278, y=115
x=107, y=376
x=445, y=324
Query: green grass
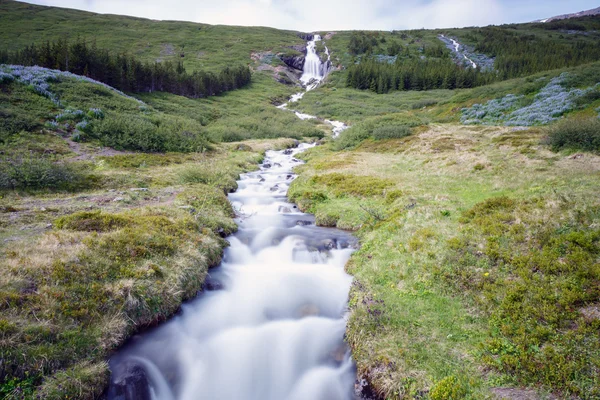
x=205, y=47
x=458, y=290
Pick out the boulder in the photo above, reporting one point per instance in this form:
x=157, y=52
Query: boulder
x=303, y=223
x=306, y=36
x=129, y=382
x=212, y=284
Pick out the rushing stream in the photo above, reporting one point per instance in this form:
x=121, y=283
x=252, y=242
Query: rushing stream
x=273, y=328
x=271, y=324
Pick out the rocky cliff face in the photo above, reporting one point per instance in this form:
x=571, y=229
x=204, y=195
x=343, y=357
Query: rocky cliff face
x=295, y=61
x=306, y=36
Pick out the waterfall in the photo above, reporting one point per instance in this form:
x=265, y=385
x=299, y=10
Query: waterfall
x=314, y=69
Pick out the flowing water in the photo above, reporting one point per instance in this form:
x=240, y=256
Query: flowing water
x=273, y=329
x=313, y=74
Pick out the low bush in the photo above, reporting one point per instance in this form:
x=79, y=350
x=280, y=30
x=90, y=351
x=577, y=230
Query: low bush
x=208, y=175
x=391, y=132
x=15, y=121
x=28, y=172
x=351, y=137
x=583, y=134
x=342, y=185
x=134, y=132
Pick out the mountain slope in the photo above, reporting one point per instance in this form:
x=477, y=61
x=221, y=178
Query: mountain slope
x=594, y=11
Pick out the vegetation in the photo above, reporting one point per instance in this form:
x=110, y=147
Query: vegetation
x=579, y=134
x=127, y=73
x=108, y=262
x=480, y=250
x=383, y=77
x=478, y=267
x=209, y=48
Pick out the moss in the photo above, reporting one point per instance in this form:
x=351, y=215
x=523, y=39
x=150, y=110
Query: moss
x=344, y=184
x=449, y=388
x=89, y=221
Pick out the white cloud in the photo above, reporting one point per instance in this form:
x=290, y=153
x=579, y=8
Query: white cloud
x=309, y=15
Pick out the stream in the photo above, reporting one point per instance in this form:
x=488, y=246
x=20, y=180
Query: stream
x=270, y=324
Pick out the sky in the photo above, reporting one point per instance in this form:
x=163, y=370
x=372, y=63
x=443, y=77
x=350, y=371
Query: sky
x=313, y=15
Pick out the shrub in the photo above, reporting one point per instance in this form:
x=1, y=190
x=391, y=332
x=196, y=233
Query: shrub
x=95, y=113
x=581, y=134
x=349, y=138
x=84, y=126
x=209, y=176
x=132, y=132
x=391, y=132
x=548, y=105
x=449, y=388
x=28, y=172
x=70, y=115
x=15, y=121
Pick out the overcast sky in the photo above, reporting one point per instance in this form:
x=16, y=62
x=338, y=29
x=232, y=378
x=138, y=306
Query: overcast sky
x=312, y=15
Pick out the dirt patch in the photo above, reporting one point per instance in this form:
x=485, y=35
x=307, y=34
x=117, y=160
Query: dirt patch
x=167, y=49
x=520, y=394
x=591, y=312
x=86, y=153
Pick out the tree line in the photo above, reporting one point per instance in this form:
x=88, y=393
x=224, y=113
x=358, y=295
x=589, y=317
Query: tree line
x=414, y=74
x=125, y=72
x=520, y=54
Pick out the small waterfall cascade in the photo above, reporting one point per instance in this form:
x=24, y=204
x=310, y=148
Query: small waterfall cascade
x=272, y=325
x=313, y=74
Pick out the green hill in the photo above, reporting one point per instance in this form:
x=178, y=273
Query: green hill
x=200, y=46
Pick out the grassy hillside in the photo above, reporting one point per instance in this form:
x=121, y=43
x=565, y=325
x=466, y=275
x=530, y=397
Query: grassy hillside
x=206, y=47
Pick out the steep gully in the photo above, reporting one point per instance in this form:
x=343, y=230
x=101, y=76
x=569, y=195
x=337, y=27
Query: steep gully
x=271, y=324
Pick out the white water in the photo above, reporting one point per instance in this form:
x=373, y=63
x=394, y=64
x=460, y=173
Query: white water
x=275, y=331
x=456, y=50
x=315, y=71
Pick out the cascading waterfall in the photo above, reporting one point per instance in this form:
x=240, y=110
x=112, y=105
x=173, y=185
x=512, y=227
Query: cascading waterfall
x=313, y=74
x=314, y=69
x=275, y=328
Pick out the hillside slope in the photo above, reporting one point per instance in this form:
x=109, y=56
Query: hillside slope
x=200, y=46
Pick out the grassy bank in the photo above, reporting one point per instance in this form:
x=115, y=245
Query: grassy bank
x=107, y=262
x=478, y=270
